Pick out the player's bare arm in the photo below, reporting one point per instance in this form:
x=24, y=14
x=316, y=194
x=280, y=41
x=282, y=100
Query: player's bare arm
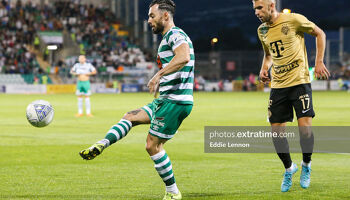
x=92, y=73
x=266, y=64
x=320, y=68
x=72, y=72
x=181, y=58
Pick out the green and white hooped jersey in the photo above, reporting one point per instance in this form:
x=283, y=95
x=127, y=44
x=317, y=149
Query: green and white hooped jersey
x=83, y=68
x=177, y=86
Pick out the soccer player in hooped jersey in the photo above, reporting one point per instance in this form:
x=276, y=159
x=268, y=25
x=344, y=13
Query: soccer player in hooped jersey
x=83, y=71
x=282, y=38
x=165, y=114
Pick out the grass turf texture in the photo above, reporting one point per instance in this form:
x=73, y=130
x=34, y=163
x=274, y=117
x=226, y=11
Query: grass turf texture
x=43, y=163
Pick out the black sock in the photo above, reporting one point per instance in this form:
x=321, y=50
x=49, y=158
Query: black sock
x=307, y=157
x=282, y=149
x=286, y=159
x=306, y=143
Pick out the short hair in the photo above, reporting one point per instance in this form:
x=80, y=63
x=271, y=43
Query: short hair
x=269, y=1
x=167, y=5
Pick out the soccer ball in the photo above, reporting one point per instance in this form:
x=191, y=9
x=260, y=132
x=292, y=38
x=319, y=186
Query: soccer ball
x=39, y=113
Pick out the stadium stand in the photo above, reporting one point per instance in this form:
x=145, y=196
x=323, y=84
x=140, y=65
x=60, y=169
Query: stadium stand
x=17, y=31
x=97, y=33
x=94, y=31
x=11, y=79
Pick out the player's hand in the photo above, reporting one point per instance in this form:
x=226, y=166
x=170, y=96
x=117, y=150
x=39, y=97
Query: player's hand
x=153, y=85
x=321, y=72
x=264, y=76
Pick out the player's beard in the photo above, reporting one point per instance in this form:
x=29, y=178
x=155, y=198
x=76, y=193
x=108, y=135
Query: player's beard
x=267, y=19
x=268, y=16
x=158, y=28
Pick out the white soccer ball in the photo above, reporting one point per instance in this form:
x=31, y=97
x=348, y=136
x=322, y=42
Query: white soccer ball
x=40, y=113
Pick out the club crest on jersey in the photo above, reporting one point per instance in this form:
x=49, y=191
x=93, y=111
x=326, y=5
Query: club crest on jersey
x=263, y=30
x=42, y=111
x=285, y=29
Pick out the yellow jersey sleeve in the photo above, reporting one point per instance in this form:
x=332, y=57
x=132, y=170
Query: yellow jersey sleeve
x=302, y=24
x=260, y=29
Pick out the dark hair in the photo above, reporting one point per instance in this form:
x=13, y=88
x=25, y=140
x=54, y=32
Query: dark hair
x=167, y=5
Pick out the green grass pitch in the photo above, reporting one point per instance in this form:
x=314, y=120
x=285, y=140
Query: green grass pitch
x=43, y=163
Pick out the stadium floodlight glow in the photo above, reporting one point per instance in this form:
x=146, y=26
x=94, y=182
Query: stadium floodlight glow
x=52, y=47
x=286, y=10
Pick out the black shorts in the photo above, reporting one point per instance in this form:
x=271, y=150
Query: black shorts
x=282, y=101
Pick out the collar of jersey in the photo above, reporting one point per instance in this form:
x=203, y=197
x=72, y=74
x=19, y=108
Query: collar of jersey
x=277, y=20
x=169, y=31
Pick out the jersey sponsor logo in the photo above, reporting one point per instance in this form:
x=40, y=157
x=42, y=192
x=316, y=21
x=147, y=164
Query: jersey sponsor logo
x=277, y=48
x=285, y=29
x=285, y=68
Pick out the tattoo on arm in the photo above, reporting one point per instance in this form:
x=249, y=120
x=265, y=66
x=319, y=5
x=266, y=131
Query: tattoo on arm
x=134, y=112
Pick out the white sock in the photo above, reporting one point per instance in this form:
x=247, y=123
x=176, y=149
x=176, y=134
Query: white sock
x=291, y=168
x=87, y=105
x=172, y=189
x=105, y=142
x=306, y=164
x=80, y=105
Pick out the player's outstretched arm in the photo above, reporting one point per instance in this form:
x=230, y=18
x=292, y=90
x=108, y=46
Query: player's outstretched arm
x=181, y=58
x=320, y=68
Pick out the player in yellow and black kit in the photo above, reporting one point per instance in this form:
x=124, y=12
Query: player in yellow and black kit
x=282, y=38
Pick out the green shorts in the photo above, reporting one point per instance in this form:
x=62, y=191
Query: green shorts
x=166, y=117
x=83, y=88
